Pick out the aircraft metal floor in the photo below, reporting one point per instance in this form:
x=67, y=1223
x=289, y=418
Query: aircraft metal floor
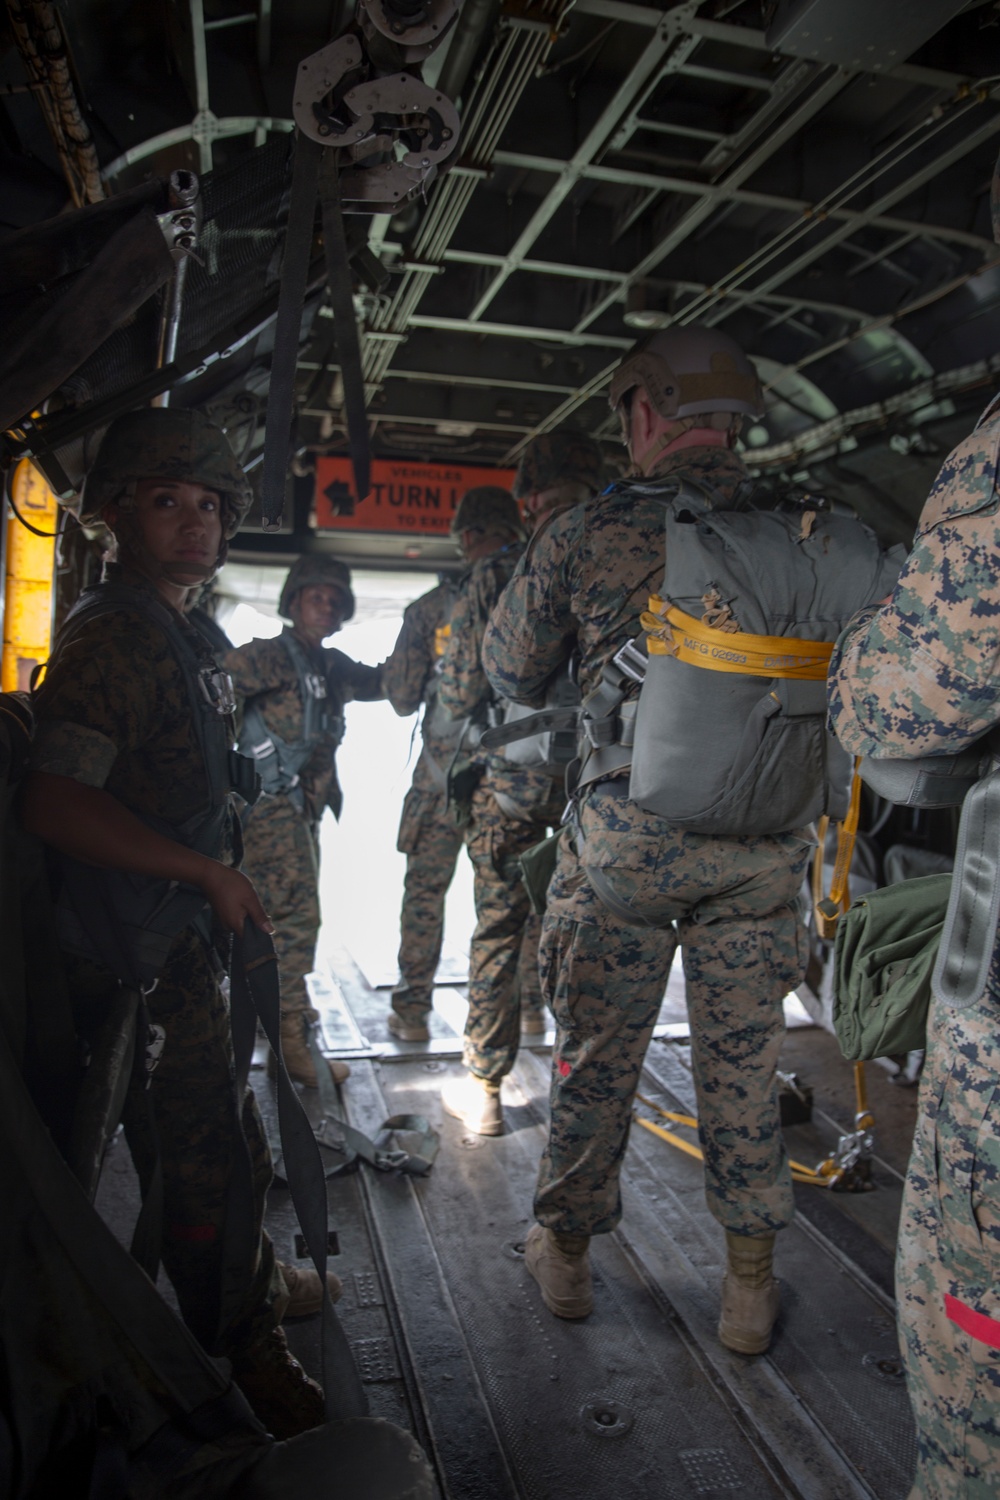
x=640, y=1399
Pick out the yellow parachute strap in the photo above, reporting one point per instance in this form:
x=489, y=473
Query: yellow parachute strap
x=671, y=632
x=441, y=638
x=800, y=1172
x=829, y=909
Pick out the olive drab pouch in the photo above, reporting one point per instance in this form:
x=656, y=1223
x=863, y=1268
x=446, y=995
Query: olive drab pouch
x=730, y=733
x=970, y=778
x=885, y=950
x=537, y=868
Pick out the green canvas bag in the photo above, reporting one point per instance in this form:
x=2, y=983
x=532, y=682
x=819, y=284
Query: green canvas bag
x=884, y=956
x=537, y=868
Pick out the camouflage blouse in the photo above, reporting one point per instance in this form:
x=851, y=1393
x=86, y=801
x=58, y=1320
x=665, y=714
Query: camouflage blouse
x=409, y=674
x=264, y=670
x=586, y=577
x=113, y=712
x=921, y=675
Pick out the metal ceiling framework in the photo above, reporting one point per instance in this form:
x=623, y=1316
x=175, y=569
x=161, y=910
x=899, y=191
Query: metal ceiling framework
x=792, y=94
x=499, y=327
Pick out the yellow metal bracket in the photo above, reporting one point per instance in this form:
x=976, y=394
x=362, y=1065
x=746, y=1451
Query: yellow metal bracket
x=846, y=1170
x=27, y=616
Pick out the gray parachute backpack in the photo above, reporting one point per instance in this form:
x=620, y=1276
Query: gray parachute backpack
x=728, y=734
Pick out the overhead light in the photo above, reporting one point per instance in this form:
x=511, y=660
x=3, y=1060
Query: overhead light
x=642, y=311
x=455, y=429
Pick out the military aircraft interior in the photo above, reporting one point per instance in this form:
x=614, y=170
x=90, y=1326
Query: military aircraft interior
x=385, y=245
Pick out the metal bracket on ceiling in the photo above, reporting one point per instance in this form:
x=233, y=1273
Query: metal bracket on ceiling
x=386, y=134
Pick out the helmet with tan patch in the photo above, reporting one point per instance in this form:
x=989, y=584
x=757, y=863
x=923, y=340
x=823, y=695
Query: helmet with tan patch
x=689, y=371
x=165, y=442
x=310, y=570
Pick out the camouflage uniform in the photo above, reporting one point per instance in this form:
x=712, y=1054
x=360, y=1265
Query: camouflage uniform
x=281, y=846
x=428, y=834
x=585, y=579
x=114, y=712
x=918, y=677
x=512, y=808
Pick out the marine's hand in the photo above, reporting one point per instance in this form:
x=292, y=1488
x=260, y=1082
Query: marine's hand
x=233, y=898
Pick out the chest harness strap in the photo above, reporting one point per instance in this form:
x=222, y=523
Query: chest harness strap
x=280, y=762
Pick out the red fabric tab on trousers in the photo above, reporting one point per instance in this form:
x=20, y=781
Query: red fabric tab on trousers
x=564, y=1068
x=977, y=1325
x=192, y=1234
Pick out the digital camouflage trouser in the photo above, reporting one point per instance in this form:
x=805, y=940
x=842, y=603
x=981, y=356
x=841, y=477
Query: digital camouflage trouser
x=948, y=1257
x=734, y=901
x=199, y=1127
x=503, y=955
x=281, y=857
x=431, y=841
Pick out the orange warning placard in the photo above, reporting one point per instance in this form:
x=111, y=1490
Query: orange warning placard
x=406, y=498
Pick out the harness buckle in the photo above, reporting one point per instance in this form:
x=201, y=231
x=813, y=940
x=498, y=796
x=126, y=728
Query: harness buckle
x=217, y=690
x=631, y=662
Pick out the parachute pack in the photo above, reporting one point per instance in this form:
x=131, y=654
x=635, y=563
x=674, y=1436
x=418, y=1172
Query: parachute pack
x=719, y=707
x=730, y=731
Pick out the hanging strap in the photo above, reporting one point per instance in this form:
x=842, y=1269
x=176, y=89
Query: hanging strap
x=287, y=330
x=970, y=926
x=97, y=912
x=256, y=993
x=671, y=632
x=829, y=909
x=345, y=324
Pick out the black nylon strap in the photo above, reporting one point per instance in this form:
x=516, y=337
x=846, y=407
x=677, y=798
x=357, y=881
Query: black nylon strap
x=294, y=273
x=106, y=1268
x=89, y=895
x=537, y=723
x=345, y=324
x=255, y=990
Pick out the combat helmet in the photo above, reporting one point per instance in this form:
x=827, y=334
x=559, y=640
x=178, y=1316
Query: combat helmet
x=487, y=508
x=566, y=456
x=313, y=568
x=165, y=442
x=689, y=371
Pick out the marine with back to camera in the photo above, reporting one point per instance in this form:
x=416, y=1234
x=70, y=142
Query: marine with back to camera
x=731, y=901
x=514, y=804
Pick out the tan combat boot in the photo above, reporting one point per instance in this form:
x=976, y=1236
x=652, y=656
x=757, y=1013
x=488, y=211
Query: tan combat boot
x=750, y=1296
x=532, y=1020
x=411, y=1028
x=303, y=1293
x=295, y=1051
x=476, y=1102
x=281, y=1393
x=560, y=1263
